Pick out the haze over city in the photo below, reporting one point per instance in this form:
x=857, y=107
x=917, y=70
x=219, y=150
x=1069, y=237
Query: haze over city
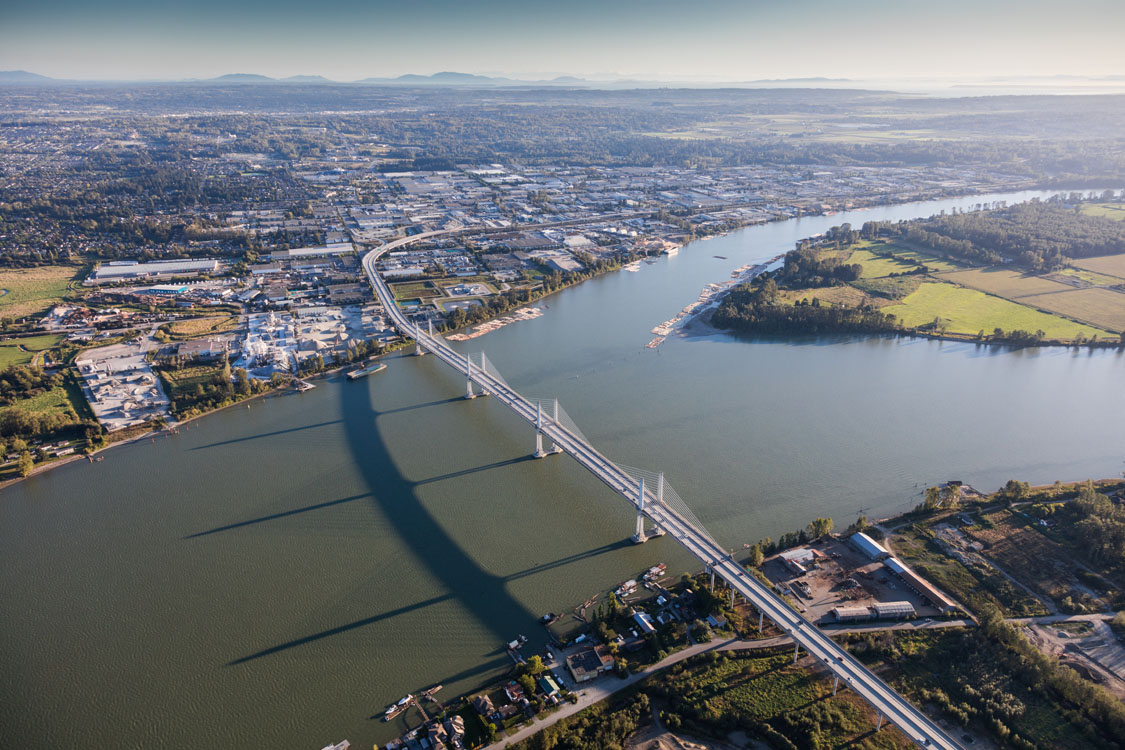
x=712, y=40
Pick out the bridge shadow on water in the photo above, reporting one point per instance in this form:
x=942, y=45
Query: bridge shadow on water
x=482, y=593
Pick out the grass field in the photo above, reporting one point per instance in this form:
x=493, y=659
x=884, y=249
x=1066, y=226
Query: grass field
x=1097, y=279
x=875, y=266
x=1101, y=307
x=1109, y=210
x=32, y=290
x=22, y=351
x=932, y=262
x=414, y=290
x=202, y=326
x=1110, y=265
x=1004, y=282
x=969, y=311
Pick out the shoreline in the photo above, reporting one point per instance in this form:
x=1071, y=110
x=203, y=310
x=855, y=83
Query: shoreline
x=684, y=329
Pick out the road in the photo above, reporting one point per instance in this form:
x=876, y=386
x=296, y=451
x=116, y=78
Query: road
x=891, y=706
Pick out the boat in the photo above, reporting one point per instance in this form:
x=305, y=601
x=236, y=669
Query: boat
x=301, y=386
x=363, y=372
x=398, y=708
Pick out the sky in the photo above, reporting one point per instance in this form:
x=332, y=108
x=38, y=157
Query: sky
x=716, y=40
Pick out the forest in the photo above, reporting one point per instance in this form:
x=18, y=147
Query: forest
x=757, y=308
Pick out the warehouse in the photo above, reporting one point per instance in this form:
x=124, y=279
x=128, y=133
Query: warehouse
x=127, y=269
x=869, y=546
x=921, y=586
x=894, y=610
x=851, y=614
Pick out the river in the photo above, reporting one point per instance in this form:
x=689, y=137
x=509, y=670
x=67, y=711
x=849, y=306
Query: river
x=274, y=576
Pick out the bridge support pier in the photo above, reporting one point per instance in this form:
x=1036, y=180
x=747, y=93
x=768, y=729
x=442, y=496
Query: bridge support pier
x=761, y=621
x=732, y=597
x=555, y=448
x=469, y=377
x=539, y=452
x=712, y=580
x=796, y=650
x=835, y=683
x=641, y=536
x=880, y=724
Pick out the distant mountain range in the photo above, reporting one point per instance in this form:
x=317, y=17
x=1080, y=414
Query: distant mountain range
x=452, y=78
x=22, y=76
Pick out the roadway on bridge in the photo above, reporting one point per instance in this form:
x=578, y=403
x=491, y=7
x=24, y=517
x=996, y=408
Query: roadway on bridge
x=851, y=673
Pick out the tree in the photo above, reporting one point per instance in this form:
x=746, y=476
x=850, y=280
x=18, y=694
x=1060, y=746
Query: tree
x=26, y=464
x=535, y=665
x=820, y=527
x=756, y=556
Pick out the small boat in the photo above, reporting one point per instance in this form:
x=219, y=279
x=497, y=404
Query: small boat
x=363, y=372
x=398, y=708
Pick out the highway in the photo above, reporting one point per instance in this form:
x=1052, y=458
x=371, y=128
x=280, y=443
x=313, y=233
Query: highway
x=850, y=672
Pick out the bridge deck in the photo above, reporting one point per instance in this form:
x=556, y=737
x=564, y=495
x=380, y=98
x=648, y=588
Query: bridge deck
x=897, y=710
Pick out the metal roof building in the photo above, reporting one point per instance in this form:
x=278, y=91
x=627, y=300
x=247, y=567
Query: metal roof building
x=869, y=546
x=851, y=614
x=894, y=610
x=920, y=585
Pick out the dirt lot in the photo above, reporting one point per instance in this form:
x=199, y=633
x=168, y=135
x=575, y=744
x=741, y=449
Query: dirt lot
x=1091, y=650
x=828, y=587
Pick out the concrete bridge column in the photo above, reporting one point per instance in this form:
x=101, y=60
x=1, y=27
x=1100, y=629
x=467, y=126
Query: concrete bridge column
x=469, y=377
x=880, y=724
x=554, y=446
x=539, y=452
x=796, y=651
x=639, y=537
x=835, y=683
x=761, y=619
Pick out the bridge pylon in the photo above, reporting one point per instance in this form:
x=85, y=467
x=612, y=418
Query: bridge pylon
x=539, y=452
x=469, y=377
x=641, y=536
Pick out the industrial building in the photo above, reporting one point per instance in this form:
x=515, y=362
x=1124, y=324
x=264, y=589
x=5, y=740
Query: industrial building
x=851, y=614
x=894, y=610
x=124, y=270
x=869, y=546
x=920, y=586
x=799, y=560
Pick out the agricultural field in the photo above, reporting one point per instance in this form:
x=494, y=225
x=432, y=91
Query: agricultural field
x=1109, y=210
x=968, y=311
x=935, y=263
x=1100, y=307
x=835, y=295
x=25, y=351
x=1096, y=279
x=183, y=329
x=1004, y=282
x=1110, y=265
x=27, y=291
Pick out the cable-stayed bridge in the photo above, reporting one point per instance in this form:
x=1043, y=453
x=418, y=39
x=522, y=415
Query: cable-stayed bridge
x=655, y=500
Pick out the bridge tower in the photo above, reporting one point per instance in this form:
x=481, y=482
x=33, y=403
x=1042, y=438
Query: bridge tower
x=469, y=377
x=641, y=537
x=539, y=452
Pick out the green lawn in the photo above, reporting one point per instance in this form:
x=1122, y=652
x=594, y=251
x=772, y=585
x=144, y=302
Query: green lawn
x=969, y=311
x=909, y=257
x=22, y=351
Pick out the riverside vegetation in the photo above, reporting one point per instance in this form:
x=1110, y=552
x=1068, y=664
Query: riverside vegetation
x=1011, y=275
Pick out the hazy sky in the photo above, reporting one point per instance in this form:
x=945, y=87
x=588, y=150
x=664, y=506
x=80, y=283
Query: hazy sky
x=708, y=39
